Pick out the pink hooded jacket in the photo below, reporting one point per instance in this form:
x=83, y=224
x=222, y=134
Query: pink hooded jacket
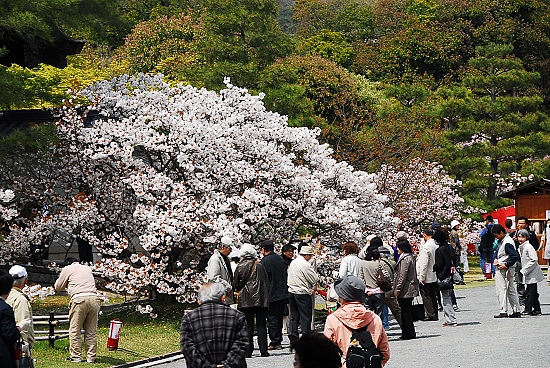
x=354, y=315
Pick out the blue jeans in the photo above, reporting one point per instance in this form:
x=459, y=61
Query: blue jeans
x=486, y=256
x=384, y=316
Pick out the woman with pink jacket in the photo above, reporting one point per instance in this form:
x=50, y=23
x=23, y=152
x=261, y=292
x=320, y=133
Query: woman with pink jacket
x=352, y=315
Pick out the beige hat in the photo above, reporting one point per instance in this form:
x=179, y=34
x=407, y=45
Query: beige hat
x=306, y=250
x=454, y=223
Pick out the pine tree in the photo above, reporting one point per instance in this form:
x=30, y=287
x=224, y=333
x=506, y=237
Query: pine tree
x=500, y=126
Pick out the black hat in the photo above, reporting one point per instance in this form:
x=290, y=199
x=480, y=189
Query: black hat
x=267, y=245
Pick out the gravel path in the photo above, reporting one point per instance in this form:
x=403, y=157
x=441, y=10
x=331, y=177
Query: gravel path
x=479, y=341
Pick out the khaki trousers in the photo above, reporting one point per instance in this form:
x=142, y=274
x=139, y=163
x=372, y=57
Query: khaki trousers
x=506, y=295
x=83, y=314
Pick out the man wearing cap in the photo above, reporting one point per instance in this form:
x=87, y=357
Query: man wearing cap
x=83, y=308
x=219, y=267
x=278, y=292
x=20, y=304
x=352, y=315
x=302, y=280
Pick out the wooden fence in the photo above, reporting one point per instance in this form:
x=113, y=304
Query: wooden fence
x=53, y=322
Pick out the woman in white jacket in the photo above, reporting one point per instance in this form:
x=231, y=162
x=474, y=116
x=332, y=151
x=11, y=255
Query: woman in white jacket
x=351, y=263
x=531, y=272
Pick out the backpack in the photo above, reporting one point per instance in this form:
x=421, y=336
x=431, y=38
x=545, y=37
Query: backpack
x=362, y=352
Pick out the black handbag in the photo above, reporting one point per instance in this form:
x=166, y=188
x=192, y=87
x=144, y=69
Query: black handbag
x=446, y=283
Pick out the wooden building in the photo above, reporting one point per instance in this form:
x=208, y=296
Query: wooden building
x=533, y=201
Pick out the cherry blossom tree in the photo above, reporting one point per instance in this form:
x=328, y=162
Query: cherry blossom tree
x=420, y=194
x=161, y=172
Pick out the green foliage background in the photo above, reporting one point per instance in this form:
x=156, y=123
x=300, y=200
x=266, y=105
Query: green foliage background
x=386, y=81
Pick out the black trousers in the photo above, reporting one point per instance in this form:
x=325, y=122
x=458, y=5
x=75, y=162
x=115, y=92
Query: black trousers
x=532, y=303
x=301, y=308
x=261, y=328
x=407, y=326
x=429, y=293
x=275, y=321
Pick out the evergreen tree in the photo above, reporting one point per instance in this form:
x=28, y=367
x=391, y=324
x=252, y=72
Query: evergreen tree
x=498, y=127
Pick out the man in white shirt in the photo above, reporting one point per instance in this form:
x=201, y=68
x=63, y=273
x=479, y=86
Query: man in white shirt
x=302, y=279
x=426, y=275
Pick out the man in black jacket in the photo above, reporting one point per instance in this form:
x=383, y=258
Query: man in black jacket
x=278, y=292
x=214, y=334
x=443, y=267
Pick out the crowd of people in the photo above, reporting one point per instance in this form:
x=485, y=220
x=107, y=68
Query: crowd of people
x=280, y=285
x=246, y=294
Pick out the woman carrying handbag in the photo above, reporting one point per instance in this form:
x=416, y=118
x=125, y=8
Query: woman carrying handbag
x=444, y=268
x=251, y=284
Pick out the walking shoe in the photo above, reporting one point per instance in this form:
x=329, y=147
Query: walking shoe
x=525, y=313
x=275, y=347
x=515, y=315
x=536, y=313
x=501, y=315
x=70, y=359
x=456, y=308
x=433, y=318
x=450, y=324
x=264, y=355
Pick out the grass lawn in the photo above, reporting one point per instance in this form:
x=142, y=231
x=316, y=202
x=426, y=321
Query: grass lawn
x=141, y=336
x=472, y=278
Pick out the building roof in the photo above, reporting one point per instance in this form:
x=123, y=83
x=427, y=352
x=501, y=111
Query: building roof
x=13, y=120
x=31, y=51
x=541, y=186
x=22, y=119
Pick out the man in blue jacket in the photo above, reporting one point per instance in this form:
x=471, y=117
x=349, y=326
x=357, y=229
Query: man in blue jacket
x=506, y=258
x=485, y=248
x=278, y=292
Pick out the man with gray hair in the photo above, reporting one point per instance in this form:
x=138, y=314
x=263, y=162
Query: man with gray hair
x=506, y=258
x=21, y=305
x=219, y=267
x=214, y=335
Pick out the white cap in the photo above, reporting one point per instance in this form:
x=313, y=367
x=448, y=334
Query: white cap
x=226, y=240
x=18, y=272
x=454, y=223
x=235, y=253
